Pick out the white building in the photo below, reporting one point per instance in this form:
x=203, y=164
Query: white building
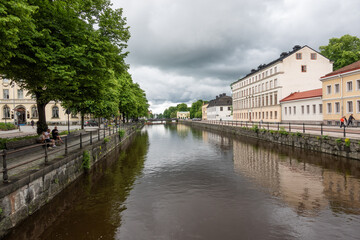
x=256, y=96
x=220, y=108
x=303, y=107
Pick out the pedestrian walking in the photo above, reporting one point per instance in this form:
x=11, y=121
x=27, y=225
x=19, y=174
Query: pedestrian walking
x=343, y=122
x=32, y=123
x=350, y=120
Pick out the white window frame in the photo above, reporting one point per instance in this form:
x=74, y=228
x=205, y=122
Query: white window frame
x=349, y=85
x=337, y=88
x=352, y=107
x=329, y=108
x=337, y=107
x=328, y=89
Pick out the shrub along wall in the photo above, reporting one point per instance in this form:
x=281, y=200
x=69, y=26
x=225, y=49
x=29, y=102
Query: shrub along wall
x=349, y=148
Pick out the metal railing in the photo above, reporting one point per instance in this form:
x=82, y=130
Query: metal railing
x=72, y=142
x=291, y=127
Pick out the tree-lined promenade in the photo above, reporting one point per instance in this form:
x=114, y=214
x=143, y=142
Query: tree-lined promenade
x=72, y=52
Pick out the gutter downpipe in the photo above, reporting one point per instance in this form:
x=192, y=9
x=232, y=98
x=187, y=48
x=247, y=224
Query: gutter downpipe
x=341, y=95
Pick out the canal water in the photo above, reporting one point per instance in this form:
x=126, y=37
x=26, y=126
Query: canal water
x=177, y=182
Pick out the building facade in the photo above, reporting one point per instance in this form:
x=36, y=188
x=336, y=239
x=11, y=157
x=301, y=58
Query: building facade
x=256, y=96
x=204, y=111
x=183, y=115
x=220, y=108
x=341, y=94
x=300, y=107
x=18, y=107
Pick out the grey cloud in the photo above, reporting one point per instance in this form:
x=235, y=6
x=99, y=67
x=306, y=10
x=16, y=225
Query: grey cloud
x=194, y=49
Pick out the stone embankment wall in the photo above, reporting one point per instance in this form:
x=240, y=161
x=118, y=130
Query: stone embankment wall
x=23, y=197
x=349, y=148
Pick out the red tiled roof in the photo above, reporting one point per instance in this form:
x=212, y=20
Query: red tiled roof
x=303, y=95
x=348, y=68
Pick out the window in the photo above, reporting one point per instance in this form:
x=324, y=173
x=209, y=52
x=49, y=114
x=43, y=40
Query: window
x=34, y=112
x=275, y=69
x=358, y=106
x=275, y=83
x=349, y=86
x=294, y=110
x=308, y=109
x=275, y=98
x=337, y=88
x=271, y=71
x=6, y=93
x=337, y=107
x=328, y=89
x=313, y=56
x=314, y=109
x=270, y=114
x=20, y=94
x=349, y=106
x=303, y=68
x=320, y=108
x=267, y=115
x=329, y=108
x=358, y=84
x=229, y=108
x=275, y=113
x=221, y=108
x=302, y=109
x=271, y=100
x=285, y=110
x=55, y=112
x=298, y=56
x=289, y=110
x=6, y=112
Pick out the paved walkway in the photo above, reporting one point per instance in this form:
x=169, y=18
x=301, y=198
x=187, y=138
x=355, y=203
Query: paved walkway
x=333, y=131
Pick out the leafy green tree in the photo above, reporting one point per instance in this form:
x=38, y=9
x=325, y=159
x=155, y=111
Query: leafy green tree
x=75, y=52
x=182, y=107
x=343, y=51
x=15, y=20
x=196, y=109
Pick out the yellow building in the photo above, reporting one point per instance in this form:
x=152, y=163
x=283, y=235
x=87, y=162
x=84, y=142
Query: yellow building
x=183, y=115
x=341, y=94
x=17, y=106
x=204, y=111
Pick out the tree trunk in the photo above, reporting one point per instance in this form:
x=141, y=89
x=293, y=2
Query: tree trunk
x=41, y=124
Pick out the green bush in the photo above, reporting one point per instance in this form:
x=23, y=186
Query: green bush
x=255, y=128
x=298, y=134
x=347, y=142
x=283, y=132
x=325, y=137
x=106, y=140
x=121, y=133
x=86, y=160
x=338, y=140
x=7, y=126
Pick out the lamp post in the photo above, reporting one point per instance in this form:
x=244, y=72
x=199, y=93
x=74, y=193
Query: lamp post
x=18, y=122
x=68, y=113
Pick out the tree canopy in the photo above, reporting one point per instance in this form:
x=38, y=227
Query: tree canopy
x=343, y=51
x=70, y=51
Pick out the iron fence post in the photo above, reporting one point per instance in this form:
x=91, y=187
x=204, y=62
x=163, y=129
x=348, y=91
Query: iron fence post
x=303, y=127
x=289, y=127
x=46, y=154
x=344, y=131
x=104, y=131
x=245, y=124
x=278, y=126
x=268, y=126
x=5, y=175
x=91, y=138
x=80, y=140
x=321, y=127
x=66, y=146
x=109, y=131
x=98, y=133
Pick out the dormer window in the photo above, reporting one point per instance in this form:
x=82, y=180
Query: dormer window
x=298, y=56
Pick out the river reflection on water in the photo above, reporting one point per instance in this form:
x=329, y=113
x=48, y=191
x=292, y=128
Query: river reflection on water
x=177, y=182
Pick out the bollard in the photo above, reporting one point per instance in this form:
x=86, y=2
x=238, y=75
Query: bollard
x=91, y=138
x=80, y=140
x=5, y=175
x=66, y=145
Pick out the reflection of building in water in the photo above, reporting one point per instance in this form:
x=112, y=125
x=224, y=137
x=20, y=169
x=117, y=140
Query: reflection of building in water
x=217, y=139
x=300, y=188
x=182, y=130
x=343, y=190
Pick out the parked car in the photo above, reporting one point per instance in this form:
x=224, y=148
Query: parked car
x=90, y=123
x=196, y=119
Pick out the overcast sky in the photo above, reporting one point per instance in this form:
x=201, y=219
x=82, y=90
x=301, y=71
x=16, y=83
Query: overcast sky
x=185, y=50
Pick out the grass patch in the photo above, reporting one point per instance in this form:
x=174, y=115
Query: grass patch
x=3, y=141
x=86, y=160
x=347, y=142
x=7, y=126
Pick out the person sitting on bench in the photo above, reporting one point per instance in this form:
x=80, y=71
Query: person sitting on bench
x=55, y=134
x=46, y=138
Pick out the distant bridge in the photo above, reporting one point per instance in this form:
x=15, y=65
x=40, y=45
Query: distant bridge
x=160, y=121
